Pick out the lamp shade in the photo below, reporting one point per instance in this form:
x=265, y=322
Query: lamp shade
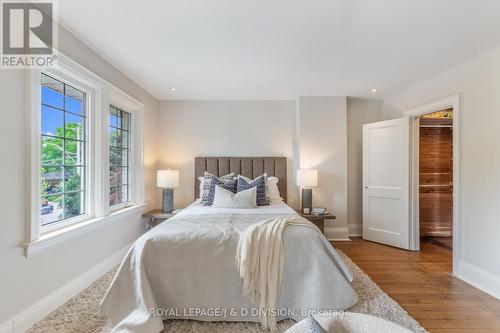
x=167, y=178
x=307, y=177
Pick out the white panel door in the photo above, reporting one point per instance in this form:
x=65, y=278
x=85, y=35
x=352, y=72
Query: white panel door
x=386, y=182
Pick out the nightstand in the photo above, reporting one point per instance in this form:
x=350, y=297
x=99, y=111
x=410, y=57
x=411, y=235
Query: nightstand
x=318, y=220
x=157, y=216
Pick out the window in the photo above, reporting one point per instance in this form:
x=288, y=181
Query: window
x=119, y=155
x=74, y=186
x=63, y=151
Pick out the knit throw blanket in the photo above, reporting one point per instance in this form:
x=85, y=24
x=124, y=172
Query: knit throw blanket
x=259, y=261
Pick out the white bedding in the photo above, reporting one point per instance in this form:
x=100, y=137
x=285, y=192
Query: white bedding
x=185, y=269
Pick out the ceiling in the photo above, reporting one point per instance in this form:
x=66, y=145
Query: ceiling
x=281, y=49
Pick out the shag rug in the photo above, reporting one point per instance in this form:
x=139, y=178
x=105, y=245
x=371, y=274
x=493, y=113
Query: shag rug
x=82, y=313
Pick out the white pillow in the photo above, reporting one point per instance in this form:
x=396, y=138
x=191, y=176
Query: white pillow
x=226, y=199
x=272, y=189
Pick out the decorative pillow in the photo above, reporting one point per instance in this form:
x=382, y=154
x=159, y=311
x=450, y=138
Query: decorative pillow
x=268, y=197
x=226, y=199
x=207, y=181
x=230, y=185
x=272, y=189
x=259, y=183
x=312, y=325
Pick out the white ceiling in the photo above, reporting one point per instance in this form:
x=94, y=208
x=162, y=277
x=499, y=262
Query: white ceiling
x=281, y=49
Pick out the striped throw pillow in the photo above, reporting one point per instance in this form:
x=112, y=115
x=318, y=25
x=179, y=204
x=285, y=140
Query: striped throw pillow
x=207, y=182
x=260, y=184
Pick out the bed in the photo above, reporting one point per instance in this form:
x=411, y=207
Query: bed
x=185, y=267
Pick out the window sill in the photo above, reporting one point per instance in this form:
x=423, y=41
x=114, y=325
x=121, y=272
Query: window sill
x=59, y=236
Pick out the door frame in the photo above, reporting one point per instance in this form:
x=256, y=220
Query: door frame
x=453, y=102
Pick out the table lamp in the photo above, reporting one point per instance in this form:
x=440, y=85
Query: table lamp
x=307, y=178
x=167, y=179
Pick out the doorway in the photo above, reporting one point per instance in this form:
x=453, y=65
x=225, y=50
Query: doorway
x=435, y=201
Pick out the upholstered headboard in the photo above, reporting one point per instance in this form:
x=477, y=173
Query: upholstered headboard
x=250, y=167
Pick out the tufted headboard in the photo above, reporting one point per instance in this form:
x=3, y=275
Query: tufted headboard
x=250, y=167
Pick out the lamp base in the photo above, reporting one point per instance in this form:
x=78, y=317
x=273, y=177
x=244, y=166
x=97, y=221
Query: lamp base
x=306, y=199
x=168, y=200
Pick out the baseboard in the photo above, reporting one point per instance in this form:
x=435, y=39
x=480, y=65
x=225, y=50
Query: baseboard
x=480, y=279
x=337, y=234
x=34, y=313
x=355, y=230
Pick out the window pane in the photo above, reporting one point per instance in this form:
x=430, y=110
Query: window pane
x=125, y=139
x=114, y=137
x=74, y=152
x=118, y=176
x=52, y=121
x=73, y=179
x=114, y=156
x=75, y=127
x=113, y=115
x=52, y=92
x=126, y=121
x=118, y=118
x=51, y=180
x=52, y=151
x=123, y=174
x=73, y=204
x=74, y=100
x=124, y=157
x=113, y=196
x=113, y=177
x=123, y=194
x=51, y=209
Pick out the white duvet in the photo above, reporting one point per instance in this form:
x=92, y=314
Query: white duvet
x=185, y=269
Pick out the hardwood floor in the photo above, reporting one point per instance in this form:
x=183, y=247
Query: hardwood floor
x=446, y=242
x=422, y=284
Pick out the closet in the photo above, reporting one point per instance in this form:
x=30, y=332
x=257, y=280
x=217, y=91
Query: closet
x=436, y=174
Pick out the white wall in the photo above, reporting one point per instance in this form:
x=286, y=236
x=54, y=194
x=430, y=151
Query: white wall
x=359, y=111
x=24, y=281
x=322, y=139
x=187, y=129
x=478, y=82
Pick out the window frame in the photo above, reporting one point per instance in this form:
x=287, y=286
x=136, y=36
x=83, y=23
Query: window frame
x=88, y=158
x=99, y=95
x=126, y=103
x=124, y=204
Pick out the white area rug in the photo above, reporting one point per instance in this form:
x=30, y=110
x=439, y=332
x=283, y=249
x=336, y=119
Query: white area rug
x=82, y=314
